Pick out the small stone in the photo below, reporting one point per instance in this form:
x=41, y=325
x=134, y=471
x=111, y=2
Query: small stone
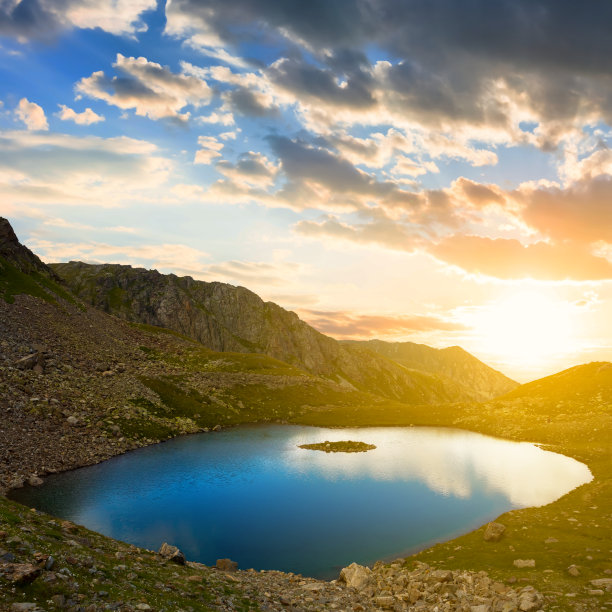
x=142, y=606
x=24, y=606
x=386, y=602
x=72, y=421
x=550, y=541
x=494, y=532
x=605, y=583
x=226, y=565
x=34, y=480
x=520, y=563
x=573, y=570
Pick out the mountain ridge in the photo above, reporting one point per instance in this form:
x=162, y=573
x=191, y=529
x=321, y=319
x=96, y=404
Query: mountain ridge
x=480, y=380
x=227, y=318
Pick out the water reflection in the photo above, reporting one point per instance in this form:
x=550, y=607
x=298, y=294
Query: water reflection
x=251, y=494
x=448, y=461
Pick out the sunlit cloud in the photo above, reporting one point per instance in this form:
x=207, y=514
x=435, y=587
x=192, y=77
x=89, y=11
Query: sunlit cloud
x=86, y=117
x=32, y=115
x=146, y=87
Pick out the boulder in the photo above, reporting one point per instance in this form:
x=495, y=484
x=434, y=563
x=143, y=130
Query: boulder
x=35, y=481
x=20, y=573
x=226, y=565
x=529, y=599
x=172, y=553
x=356, y=576
x=494, y=532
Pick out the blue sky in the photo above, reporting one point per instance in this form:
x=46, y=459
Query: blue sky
x=436, y=172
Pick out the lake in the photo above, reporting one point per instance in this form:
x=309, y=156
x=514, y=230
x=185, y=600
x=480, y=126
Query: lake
x=252, y=495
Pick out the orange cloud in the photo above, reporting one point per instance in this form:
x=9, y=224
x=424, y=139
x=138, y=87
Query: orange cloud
x=347, y=325
x=510, y=259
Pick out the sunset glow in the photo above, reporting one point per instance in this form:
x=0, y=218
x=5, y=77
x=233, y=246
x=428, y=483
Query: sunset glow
x=387, y=169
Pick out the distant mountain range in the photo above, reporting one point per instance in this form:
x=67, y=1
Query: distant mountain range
x=227, y=318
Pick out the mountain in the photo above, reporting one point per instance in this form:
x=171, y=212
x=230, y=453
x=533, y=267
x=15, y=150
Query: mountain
x=478, y=381
x=227, y=318
x=588, y=383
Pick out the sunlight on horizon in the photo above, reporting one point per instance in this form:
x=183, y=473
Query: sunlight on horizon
x=526, y=329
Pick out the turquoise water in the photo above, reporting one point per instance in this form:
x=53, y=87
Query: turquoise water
x=252, y=495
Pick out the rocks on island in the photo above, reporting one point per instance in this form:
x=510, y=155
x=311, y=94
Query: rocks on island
x=343, y=446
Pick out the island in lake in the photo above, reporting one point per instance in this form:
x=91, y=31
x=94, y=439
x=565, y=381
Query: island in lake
x=343, y=446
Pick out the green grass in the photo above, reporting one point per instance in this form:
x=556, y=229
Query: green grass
x=14, y=282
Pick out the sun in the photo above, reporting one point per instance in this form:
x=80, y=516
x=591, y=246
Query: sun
x=526, y=328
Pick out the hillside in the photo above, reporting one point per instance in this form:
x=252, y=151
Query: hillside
x=479, y=381
x=78, y=386
x=227, y=318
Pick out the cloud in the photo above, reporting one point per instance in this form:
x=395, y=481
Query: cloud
x=459, y=70
x=350, y=325
x=251, y=169
x=252, y=273
x=150, y=89
x=168, y=257
x=581, y=212
x=209, y=150
x=509, y=259
x=52, y=168
x=382, y=232
x=87, y=117
x=44, y=19
x=32, y=115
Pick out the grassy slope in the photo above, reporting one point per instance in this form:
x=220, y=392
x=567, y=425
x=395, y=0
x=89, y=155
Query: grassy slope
x=571, y=413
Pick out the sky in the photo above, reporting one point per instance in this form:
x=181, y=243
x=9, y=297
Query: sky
x=429, y=171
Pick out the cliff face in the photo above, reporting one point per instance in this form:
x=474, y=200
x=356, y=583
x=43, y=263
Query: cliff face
x=227, y=318
x=477, y=379
x=17, y=254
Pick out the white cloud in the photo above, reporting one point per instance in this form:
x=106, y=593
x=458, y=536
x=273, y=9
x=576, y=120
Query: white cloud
x=32, y=115
x=147, y=87
x=87, y=117
x=209, y=150
x=42, y=168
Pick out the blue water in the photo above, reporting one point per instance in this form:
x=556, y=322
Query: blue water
x=252, y=495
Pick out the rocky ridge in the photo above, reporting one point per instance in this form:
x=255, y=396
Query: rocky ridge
x=227, y=318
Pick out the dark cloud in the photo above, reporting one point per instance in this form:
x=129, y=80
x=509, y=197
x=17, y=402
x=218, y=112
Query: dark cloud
x=307, y=81
x=44, y=19
x=248, y=103
x=302, y=162
x=447, y=57
x=29, y=19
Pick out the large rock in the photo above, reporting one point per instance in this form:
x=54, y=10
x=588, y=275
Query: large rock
x=20, y=573
x=529, y=599
x=494, y=532
x=172, y=553
x=356, y=576
x=226, y=565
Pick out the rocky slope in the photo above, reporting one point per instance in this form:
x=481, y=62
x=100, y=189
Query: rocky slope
x=227, y=318
x=479, y=381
